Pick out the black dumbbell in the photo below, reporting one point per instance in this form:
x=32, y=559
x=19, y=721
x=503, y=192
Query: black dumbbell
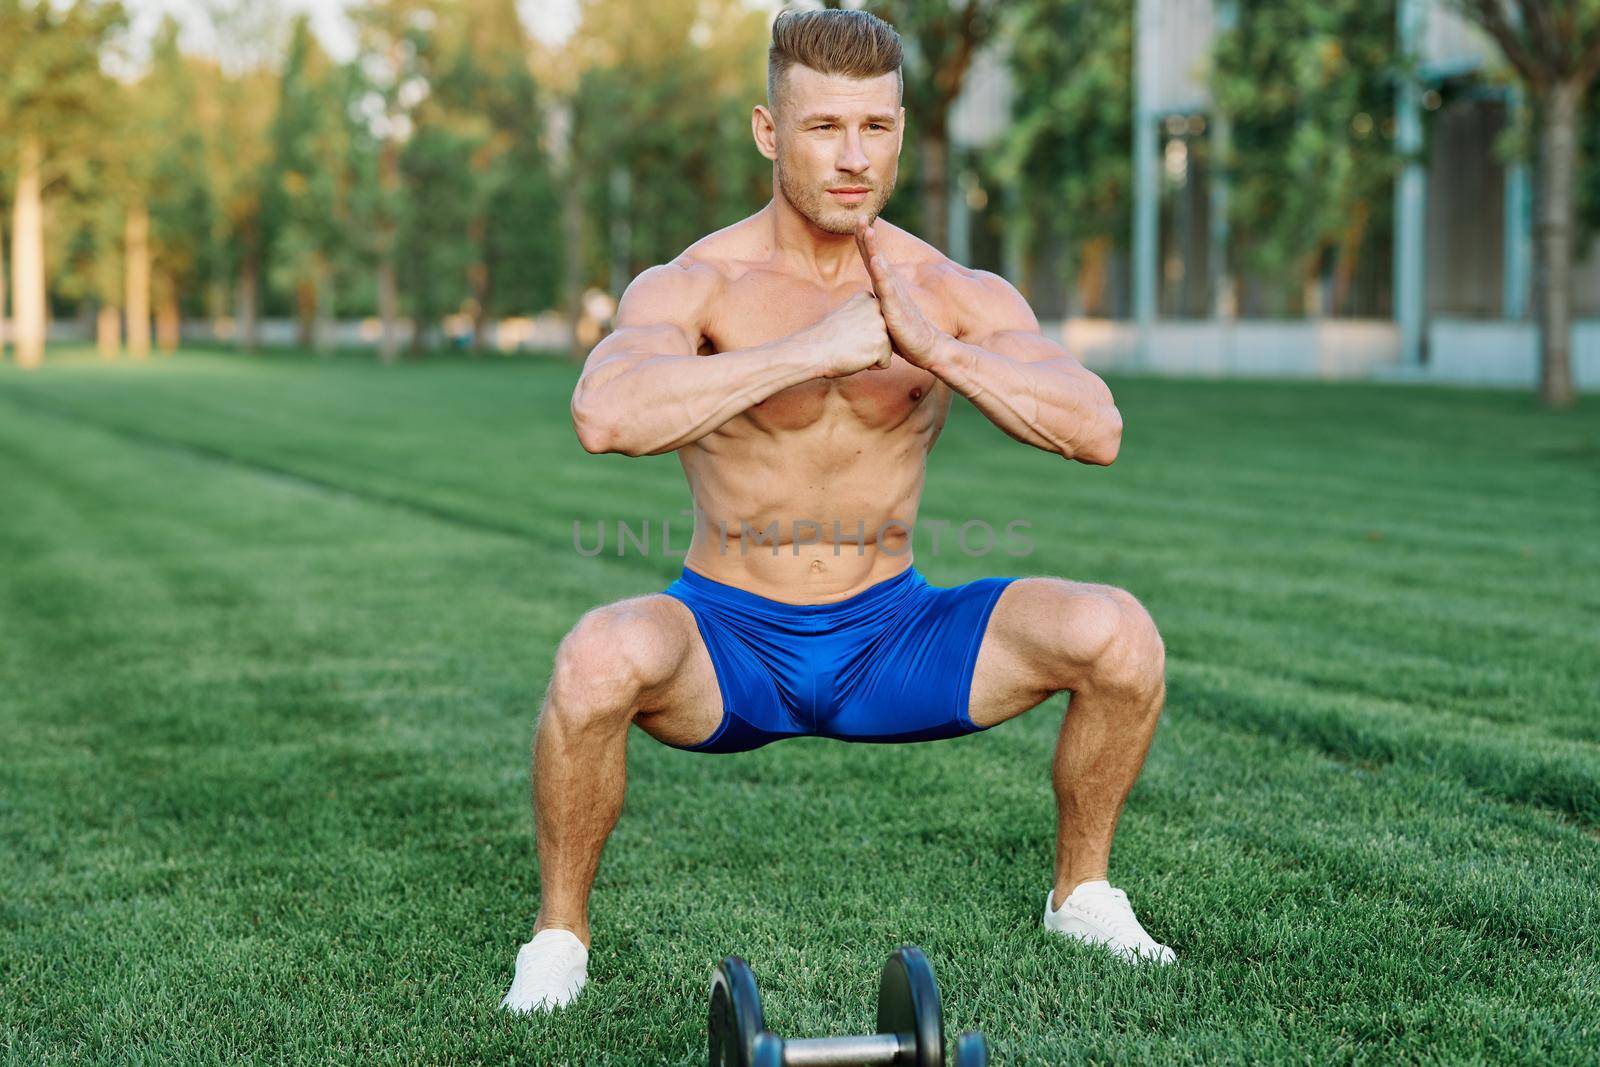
x=910, y=1024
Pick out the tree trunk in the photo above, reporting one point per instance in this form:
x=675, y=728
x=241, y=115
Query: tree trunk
x=481, y=281
x=27, y=257
x=388, y=304
x=323, y=329
x=216, y=296
x=1312, y=304
x=420, y=326
x=137, y=265
x=169, y=320
x=5, y=292
x=572, y=234
x=248, y=335
x=1558, y=131
x=108, y=331
x=1349, y=256
x=1094, y=277
x=934, y=164
x=305, y=311
x=388, y=284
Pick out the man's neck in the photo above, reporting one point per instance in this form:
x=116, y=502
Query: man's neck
x=808, y=248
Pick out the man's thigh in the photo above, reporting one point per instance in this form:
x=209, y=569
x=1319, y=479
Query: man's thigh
x=1043, y=638
x=679, y=702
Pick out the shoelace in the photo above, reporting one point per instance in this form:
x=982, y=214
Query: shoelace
x=545, y=970
x=1121, y=921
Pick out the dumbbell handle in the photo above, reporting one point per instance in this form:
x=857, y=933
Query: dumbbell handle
x=841, y=1051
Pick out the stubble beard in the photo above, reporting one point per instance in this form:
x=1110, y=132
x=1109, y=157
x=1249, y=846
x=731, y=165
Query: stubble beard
x=812, y=202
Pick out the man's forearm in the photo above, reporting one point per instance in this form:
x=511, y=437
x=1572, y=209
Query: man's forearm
x=1054, y=405
x=661, y=403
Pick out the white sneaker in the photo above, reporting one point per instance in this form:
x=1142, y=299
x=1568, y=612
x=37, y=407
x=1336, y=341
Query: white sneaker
x=1097, y=914
x=550, y=970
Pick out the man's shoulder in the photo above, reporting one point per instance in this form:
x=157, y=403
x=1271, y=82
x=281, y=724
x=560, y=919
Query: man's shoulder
x=978, y=300
x=976, y=296
x=719, y=253
x=674, y=291
x=938, y=273
x=686, y=287
x=695, y=276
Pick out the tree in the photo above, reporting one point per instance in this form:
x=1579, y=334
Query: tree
x=236, y=99
x=1554, y=47
x=1068, y=150
x=309, y=134
x=5, y=291
x=661, y=109
x=392, y=35
x=558, y=72
x=177, y=188
x=90, y=222
x=1308, y=88
x=50, y=96
x=489, y=91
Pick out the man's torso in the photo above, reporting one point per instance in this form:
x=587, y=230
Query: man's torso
x=846, y=454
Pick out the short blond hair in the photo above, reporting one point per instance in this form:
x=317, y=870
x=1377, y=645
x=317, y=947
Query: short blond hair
x=857, y=44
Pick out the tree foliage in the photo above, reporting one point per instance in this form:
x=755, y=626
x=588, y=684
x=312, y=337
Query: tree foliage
x=662, y=121
x=1068, y=151
x=1309, y=88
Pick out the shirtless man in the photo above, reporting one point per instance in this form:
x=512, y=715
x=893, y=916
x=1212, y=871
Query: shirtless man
x=801, y=364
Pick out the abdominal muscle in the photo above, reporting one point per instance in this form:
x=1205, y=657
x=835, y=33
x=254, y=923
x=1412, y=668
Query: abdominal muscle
x=810, y=515
x=792, y=567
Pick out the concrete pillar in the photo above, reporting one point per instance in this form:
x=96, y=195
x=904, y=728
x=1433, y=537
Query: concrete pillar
x=1223, y=303
x=621, y=229
x=1146, y=172
x=958, y=219
x=1518, y=222
x=1014, y=236
x=1410, y=196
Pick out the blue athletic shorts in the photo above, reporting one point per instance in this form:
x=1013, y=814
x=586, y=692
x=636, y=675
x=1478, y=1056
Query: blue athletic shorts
x=892, y=663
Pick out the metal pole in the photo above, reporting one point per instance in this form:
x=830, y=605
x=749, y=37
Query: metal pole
x=958, y=218
x=1222, y=299
x=1146, y=177
x=1410, y=194
x=835, y=1051
x=1518, y=224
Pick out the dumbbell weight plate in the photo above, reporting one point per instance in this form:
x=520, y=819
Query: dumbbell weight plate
x=736, y=1022
x=972, y=1050
x=908, y=1004
x=769, y=1051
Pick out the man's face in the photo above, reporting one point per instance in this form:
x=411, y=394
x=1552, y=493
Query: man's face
x=836, y=143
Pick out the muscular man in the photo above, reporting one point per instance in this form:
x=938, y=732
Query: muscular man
x=801, y=363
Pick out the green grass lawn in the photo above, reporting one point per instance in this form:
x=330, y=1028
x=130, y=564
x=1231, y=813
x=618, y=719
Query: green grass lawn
x=273, y=633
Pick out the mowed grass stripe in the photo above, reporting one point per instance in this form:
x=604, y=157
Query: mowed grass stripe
x=1271, y=591
x=1508, y=762
x=391, y=480
x=294, y=825
x=494, y=449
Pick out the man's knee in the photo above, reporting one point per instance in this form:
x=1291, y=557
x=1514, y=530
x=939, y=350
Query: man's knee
x=1128, y=656
x=613, y=656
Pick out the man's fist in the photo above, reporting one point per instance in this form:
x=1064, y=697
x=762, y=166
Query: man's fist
x=850, y=338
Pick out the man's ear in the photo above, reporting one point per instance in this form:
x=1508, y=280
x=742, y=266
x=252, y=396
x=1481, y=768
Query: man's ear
x=900, y=128
x=764, y=127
